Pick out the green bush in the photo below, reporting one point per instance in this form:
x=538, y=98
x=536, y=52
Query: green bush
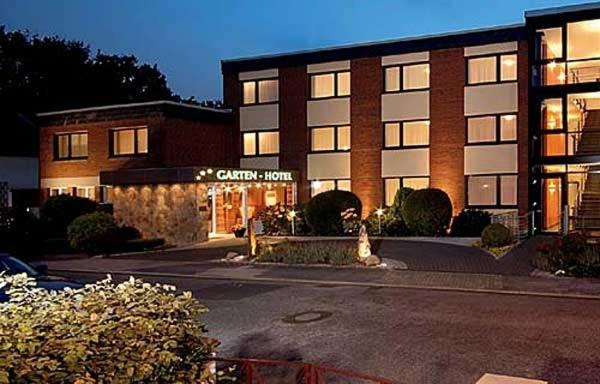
x=392, y=223
x=323, y=211
x=496, y=235
x=21, y=232
x=427, y=212
x=470, y=223
x=570, y=253
x=314, y=252
x=133, y=332
x=63, y=209
x=94, y=233
x=277, y=222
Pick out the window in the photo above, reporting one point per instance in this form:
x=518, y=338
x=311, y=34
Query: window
x=492, y=191
x=583, y=40
x=406, y=134
x=492, y=129
x=330, y=138
x=88, y=192
x=407, y=77
x=551, y=43
x=260, y=143
x=129, y=141
x=260, y=91
x=492, y=69
x=71, y=146
x=60, y=191
x=318, y=186
x=335, y=84
x=392, y=185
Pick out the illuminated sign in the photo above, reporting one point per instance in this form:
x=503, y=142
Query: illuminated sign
x=245, y=175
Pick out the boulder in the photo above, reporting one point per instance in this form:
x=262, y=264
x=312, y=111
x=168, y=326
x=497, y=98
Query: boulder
x=371, y=261
x=231, y=255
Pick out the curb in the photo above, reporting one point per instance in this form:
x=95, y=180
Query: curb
x=342, y=283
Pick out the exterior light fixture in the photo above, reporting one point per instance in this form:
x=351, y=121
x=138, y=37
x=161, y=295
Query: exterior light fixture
x=203, y=173
x=292, y=215
x=552, y=187
x=198, y=177
x=209, y=171
x=379, y=213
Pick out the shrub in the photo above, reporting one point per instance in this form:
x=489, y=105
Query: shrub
x=427, y=212
x=323, y=211
x=300, y=252
x=496, y=235
x=470, y=223
x=63, y=209
x=350, y=222
x=21, y=232
x=570, y=253
x=94, y=233
x=133, y=332
x=127, y=233
x=392, y=223
x=138, y=245
x=277, y=222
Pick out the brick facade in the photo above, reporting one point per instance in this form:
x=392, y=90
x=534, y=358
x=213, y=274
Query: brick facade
x=366, y=131
x=447, y=127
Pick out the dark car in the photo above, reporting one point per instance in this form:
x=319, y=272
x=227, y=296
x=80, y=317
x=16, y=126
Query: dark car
x=10, y=265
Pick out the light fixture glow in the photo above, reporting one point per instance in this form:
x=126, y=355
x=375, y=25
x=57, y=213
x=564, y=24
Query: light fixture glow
x=379, y=211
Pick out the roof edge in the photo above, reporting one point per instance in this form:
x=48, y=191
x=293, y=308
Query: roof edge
x=562, y=9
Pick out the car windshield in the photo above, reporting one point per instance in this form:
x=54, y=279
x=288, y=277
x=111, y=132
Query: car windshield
x=13, y=266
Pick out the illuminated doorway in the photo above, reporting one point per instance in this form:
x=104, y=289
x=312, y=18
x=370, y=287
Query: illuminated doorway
x=551, y=203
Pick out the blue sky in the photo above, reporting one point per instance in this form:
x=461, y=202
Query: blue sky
x=188, y=38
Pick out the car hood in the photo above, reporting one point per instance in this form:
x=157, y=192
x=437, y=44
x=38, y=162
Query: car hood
x=49, y=282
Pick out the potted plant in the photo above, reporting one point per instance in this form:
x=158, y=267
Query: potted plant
x=238, y=230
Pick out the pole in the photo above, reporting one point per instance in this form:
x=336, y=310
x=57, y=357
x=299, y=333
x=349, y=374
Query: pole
x=379, y=216
x=293, y=226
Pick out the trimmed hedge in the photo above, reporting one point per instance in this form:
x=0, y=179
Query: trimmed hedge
x=323, y=211
x=496, y=235
x=470, y=223
x=427, y=212
x=317, y=252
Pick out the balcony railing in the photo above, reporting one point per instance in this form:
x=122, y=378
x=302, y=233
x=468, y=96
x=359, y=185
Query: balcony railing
x=572, y=72
x=574, y=143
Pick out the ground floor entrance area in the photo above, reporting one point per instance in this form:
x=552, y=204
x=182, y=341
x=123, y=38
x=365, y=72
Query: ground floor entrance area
x=188, y=205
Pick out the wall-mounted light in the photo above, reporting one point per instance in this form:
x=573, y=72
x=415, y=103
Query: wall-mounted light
x=552, y=187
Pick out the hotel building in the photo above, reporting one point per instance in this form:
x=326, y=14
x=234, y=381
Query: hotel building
x=505, y=119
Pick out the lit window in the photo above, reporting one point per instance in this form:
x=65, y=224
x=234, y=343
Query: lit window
x=415, y=133
x=249, y=144
x=392, y=134
x=552, y=114
x=392, y=79
x=87, y=192
x=129, y=141
x=482, y=70
x=482, y=190
x=330, y=85
x=415, y=182
x=392, y=185
x=508, y=128
x=391, y=188
x=415, y=76
x=508, y=190
x=60, y=191
x=268, y=143
x=583, y=40
x=508, y=67
x=551, y=43
x=330, y=138
x=318, y=186
x=481, y=129
x=260, y=91
x=343, y=185
x=71, y=146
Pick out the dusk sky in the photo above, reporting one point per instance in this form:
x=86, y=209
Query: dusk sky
x=188, y=38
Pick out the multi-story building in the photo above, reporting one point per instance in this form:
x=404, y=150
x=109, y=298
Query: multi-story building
x=505, y=119
x=478, y=114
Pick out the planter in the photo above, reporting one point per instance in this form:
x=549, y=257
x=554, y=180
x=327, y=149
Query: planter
x=239, y=232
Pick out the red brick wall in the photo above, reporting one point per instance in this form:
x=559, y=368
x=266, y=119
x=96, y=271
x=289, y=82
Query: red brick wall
x=232, y=98
x=523, y=126
x=293, y=131
x=365, y=155
x=447, y=130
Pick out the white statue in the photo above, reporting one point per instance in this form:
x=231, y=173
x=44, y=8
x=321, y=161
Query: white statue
x=364, y=247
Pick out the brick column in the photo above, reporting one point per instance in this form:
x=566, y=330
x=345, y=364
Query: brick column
x=523, y=127
x=293, y=131
x=367, y=137
x=447, y=129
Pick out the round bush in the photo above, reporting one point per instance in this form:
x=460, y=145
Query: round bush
x=63, y=209
x=470, y=223
x=323, y=211
x=427, y=212
x=496, y=235
x=93, y=233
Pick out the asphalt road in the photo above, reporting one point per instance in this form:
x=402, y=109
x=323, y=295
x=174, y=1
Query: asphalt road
x=412, y=336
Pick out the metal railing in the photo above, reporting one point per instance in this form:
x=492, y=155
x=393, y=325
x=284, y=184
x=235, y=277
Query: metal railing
x=521, y=226
x=264, y=371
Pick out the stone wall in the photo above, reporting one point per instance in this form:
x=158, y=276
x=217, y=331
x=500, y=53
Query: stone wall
x=177, y=213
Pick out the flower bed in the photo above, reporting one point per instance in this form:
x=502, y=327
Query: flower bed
x=570, y=255
x=304, y=252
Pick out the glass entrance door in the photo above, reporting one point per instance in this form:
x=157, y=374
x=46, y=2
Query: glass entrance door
x=551, y=203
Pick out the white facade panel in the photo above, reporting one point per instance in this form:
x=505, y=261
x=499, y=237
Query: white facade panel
x=329, y=67
x=254, y=75
x=405, y=58
x=491, y=99
x=490, y=159
x=259, y=117
x=19, y=172
x=270, y=162
x=330, y=111
x=405, y=106
x=322, y=166
x=59, y=182
x=511, y=46
x=405, y=162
